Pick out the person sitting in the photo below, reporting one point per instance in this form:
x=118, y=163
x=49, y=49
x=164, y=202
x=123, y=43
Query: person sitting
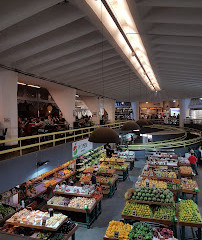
x=192, y=159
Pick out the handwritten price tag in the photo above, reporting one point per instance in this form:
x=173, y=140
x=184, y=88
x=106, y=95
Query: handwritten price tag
x=116, y=234
x=139, y=237
x=134, y=213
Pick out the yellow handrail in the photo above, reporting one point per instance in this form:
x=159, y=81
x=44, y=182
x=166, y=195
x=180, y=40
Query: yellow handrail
x=85, y=132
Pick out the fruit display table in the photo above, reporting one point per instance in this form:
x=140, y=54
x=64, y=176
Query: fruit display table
x=34, y=219
x=108, y=181
x=91, y=211
x=186, y=172
x=43, y=234
x=41, y=187
x=131, y=162
x=123, y=173
x=112, y=185
x=188, y=215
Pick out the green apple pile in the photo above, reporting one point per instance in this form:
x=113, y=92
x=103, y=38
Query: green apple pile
x=188, y=211
x=164, y=212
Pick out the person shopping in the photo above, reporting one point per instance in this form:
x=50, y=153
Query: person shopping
x=192, y=159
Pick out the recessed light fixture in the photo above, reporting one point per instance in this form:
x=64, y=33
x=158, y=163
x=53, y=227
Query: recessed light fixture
x=146, y=102
x=174, y=100
x=200, y=98
x=76, y=95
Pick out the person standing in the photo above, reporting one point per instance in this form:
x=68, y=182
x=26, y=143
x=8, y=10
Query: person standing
x=192, y=159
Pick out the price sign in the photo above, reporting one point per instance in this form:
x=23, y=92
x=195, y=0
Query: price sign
x=116, y=234
x=196, y=189
x=139, y=237
x=151, y=174
x=85, y=207
x=172, y=175
x=165, y=217
x=174, y=187
x=153, y=185
x=134, y=213
x=44, y=222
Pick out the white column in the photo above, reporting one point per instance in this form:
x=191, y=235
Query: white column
x=109, y=106
x=64, y=97
x=136, y=110
x=184, y=110
x=93, y=104
x=8, y=103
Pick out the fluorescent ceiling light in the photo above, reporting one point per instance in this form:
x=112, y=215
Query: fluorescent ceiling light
x=76, y=95
x=34, y=86
x=117, y=19
x=20, y=83
x=200, y=98
x=174, y=100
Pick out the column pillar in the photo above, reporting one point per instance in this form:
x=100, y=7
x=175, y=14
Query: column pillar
x=64, y=97
x=8, y=103
x=93, y=104
x=109, y=106
x=184, y=110
x=136, y=110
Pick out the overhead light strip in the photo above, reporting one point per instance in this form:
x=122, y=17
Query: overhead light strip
x=125, y=37
x=116, y=17
x=29, y=85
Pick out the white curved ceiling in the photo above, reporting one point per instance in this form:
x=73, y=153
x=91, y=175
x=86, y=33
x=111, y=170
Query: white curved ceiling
x=57, y=41
x=172, y=32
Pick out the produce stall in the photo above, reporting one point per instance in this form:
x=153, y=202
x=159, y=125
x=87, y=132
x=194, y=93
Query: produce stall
x=186, y=171
x=91, y=207
x=189, y=216
x=139, y=230
x=65, y=232
x=89, y=159
x=129, y=157
x=37, y=219
x=117, y=164
x=109, y=183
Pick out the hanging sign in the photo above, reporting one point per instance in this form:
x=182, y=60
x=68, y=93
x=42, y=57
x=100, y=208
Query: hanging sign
x=81, y=147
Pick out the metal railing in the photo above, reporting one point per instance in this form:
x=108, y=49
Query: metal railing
x=173, y=143
x=37, y=141
x=51, y=139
